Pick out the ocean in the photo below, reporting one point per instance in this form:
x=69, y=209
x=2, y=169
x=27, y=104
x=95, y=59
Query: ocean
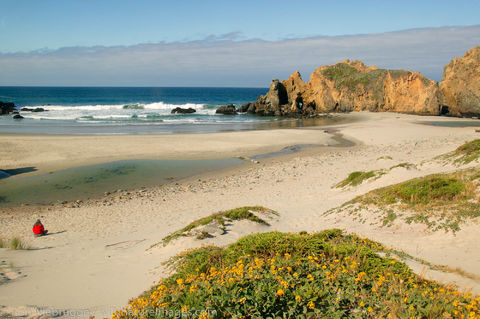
x=134, y=110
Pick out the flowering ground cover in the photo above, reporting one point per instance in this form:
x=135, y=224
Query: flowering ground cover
x=285, y=275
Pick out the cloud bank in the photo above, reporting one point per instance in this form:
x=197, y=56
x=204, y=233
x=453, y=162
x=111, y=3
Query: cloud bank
x=225, y=61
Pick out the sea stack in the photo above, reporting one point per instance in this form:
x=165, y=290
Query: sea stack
x=349, y=86
x=460, y=86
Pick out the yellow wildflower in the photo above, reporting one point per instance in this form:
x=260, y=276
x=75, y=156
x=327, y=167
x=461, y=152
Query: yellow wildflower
x=204, y=315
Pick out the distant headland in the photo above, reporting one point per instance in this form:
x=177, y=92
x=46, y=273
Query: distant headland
x=353, y=86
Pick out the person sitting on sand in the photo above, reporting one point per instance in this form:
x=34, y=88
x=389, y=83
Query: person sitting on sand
x=38, y=229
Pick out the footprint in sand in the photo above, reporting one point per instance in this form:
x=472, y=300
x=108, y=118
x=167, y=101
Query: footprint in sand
x=9, y=273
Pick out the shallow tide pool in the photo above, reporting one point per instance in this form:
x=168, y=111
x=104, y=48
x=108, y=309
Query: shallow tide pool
x=92, y=181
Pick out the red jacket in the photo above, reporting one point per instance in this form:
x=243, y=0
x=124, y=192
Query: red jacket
x=38, y=229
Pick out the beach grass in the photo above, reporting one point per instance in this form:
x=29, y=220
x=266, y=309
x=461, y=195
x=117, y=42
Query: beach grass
x=219, y=219
x=464, y=154
x=358, y=177
x=17, y=244
x=277, y=275
x=467, y=152
x=14, y=244
x=440, y=201
x=404, y=165
x=385, y=157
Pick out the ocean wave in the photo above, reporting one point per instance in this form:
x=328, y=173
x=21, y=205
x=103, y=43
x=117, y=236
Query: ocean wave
x=157, y=113
x=211, y=106
x=131, y=106
x=133, y=111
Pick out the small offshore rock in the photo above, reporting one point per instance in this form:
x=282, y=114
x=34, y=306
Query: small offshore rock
x=179, y=110
x=6, y=107
x=227, y=110
x=35, y=110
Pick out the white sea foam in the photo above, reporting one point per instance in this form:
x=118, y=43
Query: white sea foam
x=126, y=112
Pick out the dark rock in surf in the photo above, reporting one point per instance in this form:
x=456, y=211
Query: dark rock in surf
x=244, y=107
x=17, y=117
x=6, y=107
x=227, y=110
x=179, y=110
x=35, y=110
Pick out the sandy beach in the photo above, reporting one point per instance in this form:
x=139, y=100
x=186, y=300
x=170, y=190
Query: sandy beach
x=99, y=254
x=47, y=153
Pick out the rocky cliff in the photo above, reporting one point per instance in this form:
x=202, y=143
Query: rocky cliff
x=349, y=86
x=460, y=86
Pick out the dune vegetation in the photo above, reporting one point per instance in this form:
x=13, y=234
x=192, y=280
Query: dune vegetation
x=465, y=153
x=285, y=275
x=14, y=243
x=440, y=201
x=358, y=177
x=219, y=219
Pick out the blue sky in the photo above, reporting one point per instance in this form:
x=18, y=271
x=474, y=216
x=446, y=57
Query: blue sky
x=27, y=25
x=32, y=27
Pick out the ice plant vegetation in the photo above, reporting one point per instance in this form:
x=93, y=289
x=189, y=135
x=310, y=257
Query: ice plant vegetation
x=285, y=275
x=440, y=201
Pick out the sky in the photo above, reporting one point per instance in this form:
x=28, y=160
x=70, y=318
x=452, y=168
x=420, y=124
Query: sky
x=223, y=42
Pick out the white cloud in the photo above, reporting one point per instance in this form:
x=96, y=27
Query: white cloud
x=225, y=61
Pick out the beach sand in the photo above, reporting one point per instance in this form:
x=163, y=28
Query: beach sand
x=99, y=254
x=55, y=152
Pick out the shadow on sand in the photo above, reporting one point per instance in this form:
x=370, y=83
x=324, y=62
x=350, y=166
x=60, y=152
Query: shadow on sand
x=55, y=233
x=16, y=171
